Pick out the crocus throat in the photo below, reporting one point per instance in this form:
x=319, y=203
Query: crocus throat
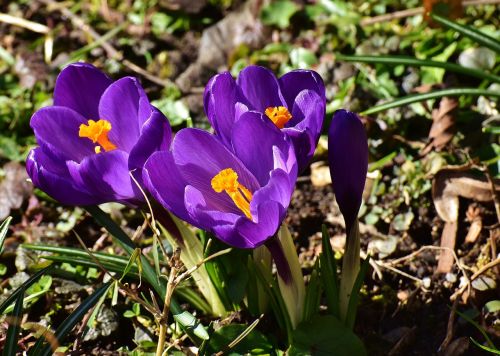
x=97, y=131
x=279, y=115
x=227, y=181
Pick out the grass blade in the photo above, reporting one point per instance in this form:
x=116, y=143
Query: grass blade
x=313, y=294
x=414, y=62
x=79, y=253
x=468, y=31
x=23, y=287
x=477, y=326
x=329, y=276
x=184, y=318
x=69, y=323
x=486, y=348
x=15, y=326
x=3, y=231
x=410, y=99
x=356, y=288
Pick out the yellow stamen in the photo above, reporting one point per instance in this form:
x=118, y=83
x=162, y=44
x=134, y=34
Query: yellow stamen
x=279, y=115
x=227, y=181
x=97, y=131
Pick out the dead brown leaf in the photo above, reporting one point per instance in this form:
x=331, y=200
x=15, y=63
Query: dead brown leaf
x=14, y=188
x=218, y=42
x=457, y=347
x=475, y=218
x=320, y=174
x=448, y=185
x=443, y=125
x=451, y=9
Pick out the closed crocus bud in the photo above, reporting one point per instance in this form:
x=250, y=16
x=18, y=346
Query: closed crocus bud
x=348, y=156
x=348, y=159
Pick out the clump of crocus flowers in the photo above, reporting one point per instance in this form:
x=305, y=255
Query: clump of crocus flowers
x=96, y=134
x=103, y=141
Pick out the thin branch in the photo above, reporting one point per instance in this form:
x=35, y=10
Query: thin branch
x=111, y=52
x=20, y=22
x=417, y=11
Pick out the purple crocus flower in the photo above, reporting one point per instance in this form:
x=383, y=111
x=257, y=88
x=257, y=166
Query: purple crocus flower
x=295, y=103
x=240, y=195
x=348, y=156
x=97, y=131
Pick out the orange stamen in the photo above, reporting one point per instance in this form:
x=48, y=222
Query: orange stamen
x=227, y=181
x=97, y=132
x=279, y=115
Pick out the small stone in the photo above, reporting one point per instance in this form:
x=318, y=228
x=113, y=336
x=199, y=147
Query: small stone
x=451, y=277
x=426, y=282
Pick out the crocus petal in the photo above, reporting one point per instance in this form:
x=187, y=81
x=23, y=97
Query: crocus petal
x=200, y=156
x=348, y=158
x=279, y=189
x=269, y=217
x=164, y=181
x=308, y=112
x=106, y=175
x=79, y=86
x=55, y=183
x=305, y=128
x=123, y=105
x=256, y=155
x=57, y=127
x=261, y=88
x=292, y=83
x=303, y=144
x=203, y=213
x=222, y=94
x=268, y=208
x=156, y=135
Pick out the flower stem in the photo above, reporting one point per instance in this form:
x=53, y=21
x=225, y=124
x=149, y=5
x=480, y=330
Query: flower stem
x=350, y=268
x=163, y=320
x=290, y=278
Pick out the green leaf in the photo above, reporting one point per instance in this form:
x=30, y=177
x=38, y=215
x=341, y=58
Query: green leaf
x=492, y=306
x=228, y=273
x=190, y=324
x=10, y=299
x=75, y=256
x=129, y=314
x=278, y=13
x=276, y=301
x=494, y=351
x=253, y=343
x=176, y=110
x=477, y=326
x=470, y=32
x=395, y=60
x=410, y=99
x=70, y=322
x=191, y=255
x=329, y=277
x=356, y=288
x=4, y=227
x=130, y=263
x=313, y=294
x=15, y=326
x=302, y=58
x=323, y=336
x=403, y=221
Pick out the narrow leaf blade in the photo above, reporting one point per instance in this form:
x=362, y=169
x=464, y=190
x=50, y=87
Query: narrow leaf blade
x=3, y=231
x=23, y=287
x=15, y=326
